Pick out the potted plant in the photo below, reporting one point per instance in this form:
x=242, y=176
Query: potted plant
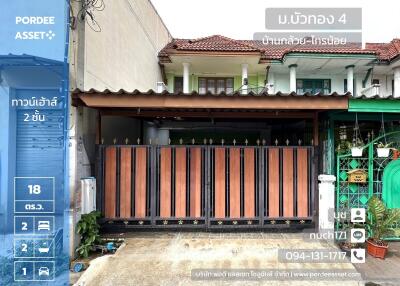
x=383, y=149
x=379, y=225
x=343, y=147
x=346, y=245
x=88, y=228
x=357, y=149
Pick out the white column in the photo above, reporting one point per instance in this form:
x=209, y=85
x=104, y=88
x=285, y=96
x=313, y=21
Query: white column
x=244, y=78
x=396, y=82
x=350, y=79
x=326, y=211
x=292, y=78
x=186, y=77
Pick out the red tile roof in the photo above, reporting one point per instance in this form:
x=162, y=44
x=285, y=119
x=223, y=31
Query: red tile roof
x=386, y=51
x=218, y=44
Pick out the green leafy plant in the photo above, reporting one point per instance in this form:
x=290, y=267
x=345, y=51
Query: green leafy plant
x=343, y=147
x=358, y=143
x=381, y=221
x=383, y=145
x=88, y=228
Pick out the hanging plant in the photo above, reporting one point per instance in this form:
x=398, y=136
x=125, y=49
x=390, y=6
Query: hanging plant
x=383, y=147
x=358, y=144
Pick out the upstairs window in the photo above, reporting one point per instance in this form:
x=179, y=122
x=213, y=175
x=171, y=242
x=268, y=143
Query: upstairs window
x=313, y=86
x=215, y=85
x=178, y=84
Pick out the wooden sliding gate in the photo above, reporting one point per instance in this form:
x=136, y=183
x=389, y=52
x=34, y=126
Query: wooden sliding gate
x=206, y=186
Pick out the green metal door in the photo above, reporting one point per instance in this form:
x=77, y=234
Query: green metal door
x=391, y=185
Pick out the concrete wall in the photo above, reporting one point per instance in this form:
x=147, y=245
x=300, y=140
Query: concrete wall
x=337, y=81
x=281, y=81
x=81, y=153
x=124, y=53
x=254, y=80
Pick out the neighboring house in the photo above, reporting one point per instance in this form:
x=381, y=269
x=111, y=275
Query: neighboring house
x=28, y=83
x=237, y=132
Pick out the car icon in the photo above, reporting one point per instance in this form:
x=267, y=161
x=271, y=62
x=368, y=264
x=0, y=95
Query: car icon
x=44, y=271
x=44, y=225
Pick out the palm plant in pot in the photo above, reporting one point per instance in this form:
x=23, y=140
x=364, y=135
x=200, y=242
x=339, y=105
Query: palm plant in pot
x=380, y=225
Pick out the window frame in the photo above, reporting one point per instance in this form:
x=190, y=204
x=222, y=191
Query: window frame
x=176, y=79
x=313, y=83
x=216, y=84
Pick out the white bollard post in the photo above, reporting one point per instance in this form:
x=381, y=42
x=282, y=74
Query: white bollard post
x=326, y=189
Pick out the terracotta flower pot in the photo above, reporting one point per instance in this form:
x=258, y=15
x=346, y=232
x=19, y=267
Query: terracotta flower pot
x=375, y=250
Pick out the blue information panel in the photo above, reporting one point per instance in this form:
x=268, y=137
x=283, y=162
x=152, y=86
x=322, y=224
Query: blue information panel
x=34, y=195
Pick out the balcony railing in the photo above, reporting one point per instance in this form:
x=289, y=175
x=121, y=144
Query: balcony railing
x=373, y=90
x=256, y=89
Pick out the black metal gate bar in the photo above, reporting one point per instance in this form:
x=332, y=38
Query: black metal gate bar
x=207, y=220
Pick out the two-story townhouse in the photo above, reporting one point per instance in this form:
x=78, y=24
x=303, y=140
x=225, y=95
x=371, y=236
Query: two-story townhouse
x=237, y=132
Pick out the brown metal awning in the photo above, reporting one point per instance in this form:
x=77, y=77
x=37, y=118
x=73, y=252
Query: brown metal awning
x=166, y=100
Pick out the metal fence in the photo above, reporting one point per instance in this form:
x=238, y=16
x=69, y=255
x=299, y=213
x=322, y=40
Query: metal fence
x=356, y=195
x=207, y=187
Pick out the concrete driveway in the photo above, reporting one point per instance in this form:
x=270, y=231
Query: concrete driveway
x=169, y=258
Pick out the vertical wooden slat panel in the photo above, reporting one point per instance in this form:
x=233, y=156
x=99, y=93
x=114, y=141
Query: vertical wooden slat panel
x=219, y=170
x=165, y=182
x=249, y=186
x=110, y=182
x=288, y=182
x=195, y=182
x=302, y=182
x=180, y=182
x=273, y=182
x=140, y=182
x=125, y=182
x=234, y=182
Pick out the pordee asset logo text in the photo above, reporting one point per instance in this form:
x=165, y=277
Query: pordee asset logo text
x=29, y=21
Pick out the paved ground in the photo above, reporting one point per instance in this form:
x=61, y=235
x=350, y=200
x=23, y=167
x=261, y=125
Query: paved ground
x=385, y=272
x=167, y=259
